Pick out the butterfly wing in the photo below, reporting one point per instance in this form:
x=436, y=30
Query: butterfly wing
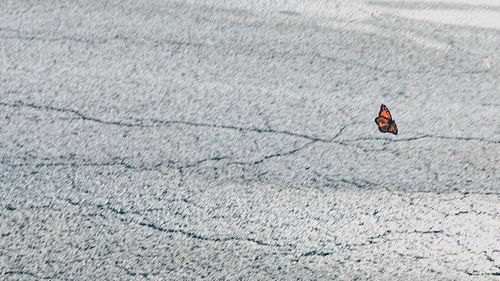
x=384, y=112
x=393, y=128
x=383, y=124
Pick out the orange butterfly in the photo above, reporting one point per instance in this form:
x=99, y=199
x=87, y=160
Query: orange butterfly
x=384, y=121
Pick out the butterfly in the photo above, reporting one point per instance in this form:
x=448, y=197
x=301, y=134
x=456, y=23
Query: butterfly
x=384, y=121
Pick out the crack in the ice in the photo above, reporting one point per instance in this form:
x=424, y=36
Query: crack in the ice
x=153, y=123
x=157, y=123
x=427, y=136
x=411, y=201
x=199, y=162
x=477, y=213
x=133, y=273
x=122, y=162
x=155, y=167
x=241, y=129
x=359, y=183
x=485, y=254
x=321, y=253
x=194, y=235
x=190, y=234
x=317, y=253
x=373, y=240
x=475, y=273
x=28, y=273
x=415, y=257
x=274, y=155
x=20, y=104
x=429, y=231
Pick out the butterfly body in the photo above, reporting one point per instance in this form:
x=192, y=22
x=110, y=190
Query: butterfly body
x=385, y=122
